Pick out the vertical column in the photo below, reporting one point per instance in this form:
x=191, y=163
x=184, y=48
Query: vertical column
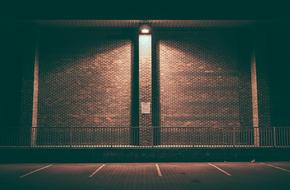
x=262, y=78
x=35, y=94
x=255, y=111
x=262, y=86
x=145, y=86
x=28, y=58
x=155, y=91
x=135, y=91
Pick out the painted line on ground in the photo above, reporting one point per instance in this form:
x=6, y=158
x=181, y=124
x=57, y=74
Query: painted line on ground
x=221, y=170
x=97, y=170
x=276, y=167
x=34, y=171
x=158, y=170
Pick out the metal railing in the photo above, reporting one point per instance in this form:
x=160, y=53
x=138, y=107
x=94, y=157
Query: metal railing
x=145, y=137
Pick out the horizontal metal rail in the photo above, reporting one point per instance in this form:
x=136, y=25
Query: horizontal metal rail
x=67, y=137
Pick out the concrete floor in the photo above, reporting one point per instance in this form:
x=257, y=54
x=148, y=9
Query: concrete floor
x=139, y=176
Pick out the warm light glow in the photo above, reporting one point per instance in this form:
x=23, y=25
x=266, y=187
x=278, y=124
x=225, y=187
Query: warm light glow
x=145, y=30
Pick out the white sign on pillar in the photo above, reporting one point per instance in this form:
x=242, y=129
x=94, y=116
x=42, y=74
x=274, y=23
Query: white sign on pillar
x=145, y=107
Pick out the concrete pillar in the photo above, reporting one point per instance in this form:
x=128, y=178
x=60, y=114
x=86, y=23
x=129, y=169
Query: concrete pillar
x=261, y=106
x=262, y=78
x=135, y=91
x=155, y=91
x=35, y=94
x=254, y=89
x=145, y=88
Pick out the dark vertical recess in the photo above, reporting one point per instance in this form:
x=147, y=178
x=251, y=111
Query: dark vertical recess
x=16, y=45
x=13, y=42
x=27, y=79
x=244, y=45
x=262, y=67
x=279, y=67
x=135, y=91
x=155, y=91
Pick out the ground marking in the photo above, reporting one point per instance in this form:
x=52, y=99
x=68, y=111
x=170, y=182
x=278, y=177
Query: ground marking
x=158, y=170
x=228, y=174
x=97, y=170
x=37, y=170
x=277, y=167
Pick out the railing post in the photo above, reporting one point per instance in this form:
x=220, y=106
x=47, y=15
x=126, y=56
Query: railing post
x=274, y=136
x=256, y=136
x=111, y=137
x=152, y=135
x=32, y=137
x=70, y=137
x=234, y=137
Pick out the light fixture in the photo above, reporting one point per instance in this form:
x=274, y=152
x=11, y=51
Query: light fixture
x=145, y=29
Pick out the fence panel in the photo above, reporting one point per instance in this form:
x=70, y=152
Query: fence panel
x=144, y=136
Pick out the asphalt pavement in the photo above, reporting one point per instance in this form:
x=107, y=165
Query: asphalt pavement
x=151, y=176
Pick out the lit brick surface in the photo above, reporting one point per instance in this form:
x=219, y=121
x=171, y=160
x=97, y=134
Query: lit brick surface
x=200, y=81
x=85, y=79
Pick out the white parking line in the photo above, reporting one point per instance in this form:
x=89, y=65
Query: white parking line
x=223, y=171
x=158, y=170
x=97, y=170
x=277, y=167
x=34, y=171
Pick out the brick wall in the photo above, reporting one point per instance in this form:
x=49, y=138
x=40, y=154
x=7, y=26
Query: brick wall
x=204, y=79
x=84, y=78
